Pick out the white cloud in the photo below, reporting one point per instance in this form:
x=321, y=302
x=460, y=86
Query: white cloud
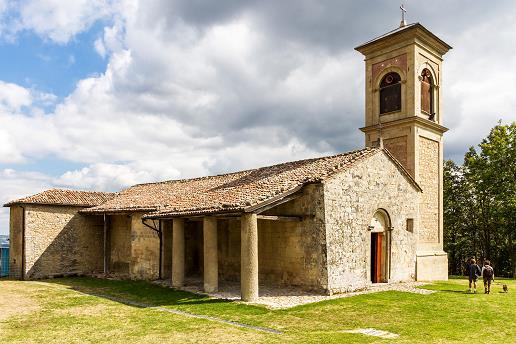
x=479, y=84
x=14, y=185
x=26, y=130
x=13, y=97
x=8, y=150
x=109, y=176
x=100, y=48
x=61, y=20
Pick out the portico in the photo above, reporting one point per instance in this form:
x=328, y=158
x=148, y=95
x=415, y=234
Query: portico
x=212, y=243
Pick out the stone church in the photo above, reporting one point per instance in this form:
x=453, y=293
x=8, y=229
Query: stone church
x=331, y=224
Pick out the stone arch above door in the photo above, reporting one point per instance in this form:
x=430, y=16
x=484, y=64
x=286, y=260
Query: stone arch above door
x=380, y=221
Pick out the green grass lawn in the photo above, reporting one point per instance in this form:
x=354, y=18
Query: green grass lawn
x=72, y=310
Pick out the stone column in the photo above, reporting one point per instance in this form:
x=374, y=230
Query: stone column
x=178, y=252
x=249, y=257
x=211, y=267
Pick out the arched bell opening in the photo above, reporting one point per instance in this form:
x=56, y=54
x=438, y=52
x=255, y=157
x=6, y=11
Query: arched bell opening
x=427, y=92
x=390, y=93
x=380, y=244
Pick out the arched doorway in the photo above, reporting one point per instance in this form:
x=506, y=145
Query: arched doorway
x=380, y=247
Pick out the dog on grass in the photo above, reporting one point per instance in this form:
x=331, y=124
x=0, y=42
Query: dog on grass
x=505, y=288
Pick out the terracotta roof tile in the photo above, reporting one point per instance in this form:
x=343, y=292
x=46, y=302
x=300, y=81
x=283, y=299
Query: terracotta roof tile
x=65, y=197
x=231, y=192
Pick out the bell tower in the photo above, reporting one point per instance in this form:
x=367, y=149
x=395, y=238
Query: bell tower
x=403, y=114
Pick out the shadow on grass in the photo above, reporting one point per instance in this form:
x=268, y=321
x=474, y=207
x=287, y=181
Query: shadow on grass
x=147, y=295
x=452, y=291
x=139, y=294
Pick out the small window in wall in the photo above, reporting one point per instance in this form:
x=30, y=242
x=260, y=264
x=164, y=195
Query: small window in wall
x=427, y=94
x=390, y=93
x=410, y=225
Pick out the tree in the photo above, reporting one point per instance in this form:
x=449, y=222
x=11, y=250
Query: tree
x=455, y=242
x=480, y=202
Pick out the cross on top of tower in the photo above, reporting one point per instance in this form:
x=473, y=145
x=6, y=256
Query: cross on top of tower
x=403, y=11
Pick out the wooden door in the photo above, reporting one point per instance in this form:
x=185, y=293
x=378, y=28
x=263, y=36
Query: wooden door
x=378, y=263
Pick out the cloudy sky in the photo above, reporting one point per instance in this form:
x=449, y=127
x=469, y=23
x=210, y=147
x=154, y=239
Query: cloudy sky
x=102, y=94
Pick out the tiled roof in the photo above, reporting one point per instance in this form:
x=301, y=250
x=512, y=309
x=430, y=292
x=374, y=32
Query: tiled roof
x=392, y=32
x=233, y=192
x=404, y=29
x=65, y=197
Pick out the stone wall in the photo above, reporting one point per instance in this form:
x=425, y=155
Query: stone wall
x=432, y=267
x=294, y=253
x=15, y=242
x=429, y=181
x=351, y=198
x=194, y=255
x=120, y=245
x=397, y=146
x=228, y=245
x=134, y=248
x=166, y=267
x=144, y=250
x=59, y=241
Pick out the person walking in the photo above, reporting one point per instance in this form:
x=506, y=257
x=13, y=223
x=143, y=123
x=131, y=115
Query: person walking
x=488, y=276
x=473, y=273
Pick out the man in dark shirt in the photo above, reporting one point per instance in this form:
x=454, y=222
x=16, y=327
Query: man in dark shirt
x=473, y=273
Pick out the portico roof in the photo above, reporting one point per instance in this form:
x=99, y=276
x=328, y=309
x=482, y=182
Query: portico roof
x=227, y=192
x=237, y=192
x=230, y=193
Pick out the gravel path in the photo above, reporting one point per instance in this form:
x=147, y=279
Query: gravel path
x=287, y=297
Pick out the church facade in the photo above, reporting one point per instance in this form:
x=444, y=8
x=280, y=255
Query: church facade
x=332, y=224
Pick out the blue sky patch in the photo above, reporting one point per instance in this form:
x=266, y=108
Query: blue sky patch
x=33, y=62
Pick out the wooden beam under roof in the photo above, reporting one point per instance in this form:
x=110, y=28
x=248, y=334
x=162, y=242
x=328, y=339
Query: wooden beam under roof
x=276, y=200
x=291, y=218
x=280, y=218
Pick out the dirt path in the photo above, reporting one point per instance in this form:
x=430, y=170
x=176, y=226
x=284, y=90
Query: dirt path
x=287, y=297
x=15, y=299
